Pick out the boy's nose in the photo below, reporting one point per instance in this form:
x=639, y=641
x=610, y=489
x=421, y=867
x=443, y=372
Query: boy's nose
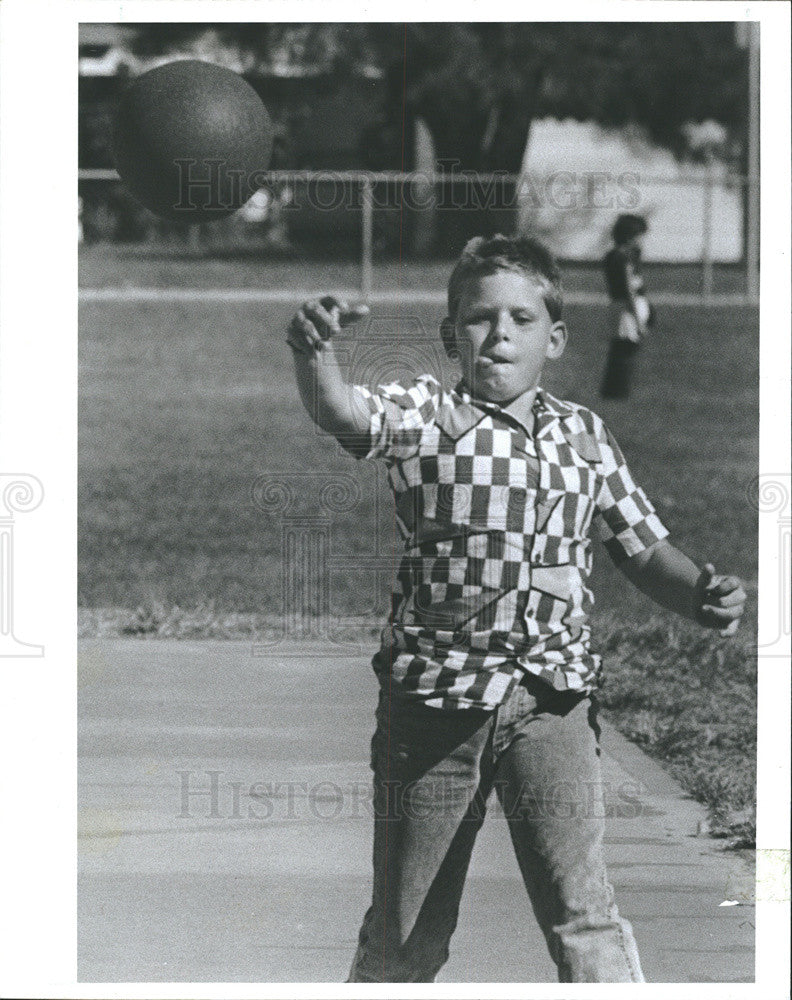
x=502, y=326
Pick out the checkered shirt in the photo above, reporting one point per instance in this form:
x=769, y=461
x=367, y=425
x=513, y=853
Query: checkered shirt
x=495, y=522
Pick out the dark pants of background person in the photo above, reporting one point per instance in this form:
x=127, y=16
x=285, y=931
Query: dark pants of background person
x=619, y=369
x=433, y=772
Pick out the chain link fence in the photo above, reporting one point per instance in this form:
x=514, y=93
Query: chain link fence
x=705, y=221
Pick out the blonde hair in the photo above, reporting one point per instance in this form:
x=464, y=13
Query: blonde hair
x=488, y=255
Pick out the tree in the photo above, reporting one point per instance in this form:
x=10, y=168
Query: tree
x=479, y=85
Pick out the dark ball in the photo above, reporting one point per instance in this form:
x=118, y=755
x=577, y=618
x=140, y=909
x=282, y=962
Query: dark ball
x=192, y=141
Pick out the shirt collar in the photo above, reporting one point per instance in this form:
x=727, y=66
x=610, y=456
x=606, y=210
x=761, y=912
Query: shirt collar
x=465, y=413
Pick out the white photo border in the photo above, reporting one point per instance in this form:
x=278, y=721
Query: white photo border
x=38, y=437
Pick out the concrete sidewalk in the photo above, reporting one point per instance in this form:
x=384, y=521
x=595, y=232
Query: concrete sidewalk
x=225, y=834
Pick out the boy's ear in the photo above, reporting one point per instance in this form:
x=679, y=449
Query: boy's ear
x=448, y=336
x=558, y=340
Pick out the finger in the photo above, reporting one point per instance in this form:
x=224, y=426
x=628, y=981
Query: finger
x=722, y=585
x=714, y=616
x=311, y=336
x=302, y=330
x=342, y=312
x=338, y=309
x=299, y=321
x=736, y=597
x=331, y=302
x=324, y=320
x=705, y=577
x=353, y=314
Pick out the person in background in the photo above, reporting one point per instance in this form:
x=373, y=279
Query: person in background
x=631, y=313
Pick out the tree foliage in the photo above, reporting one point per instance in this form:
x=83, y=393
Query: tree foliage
x=479, y=85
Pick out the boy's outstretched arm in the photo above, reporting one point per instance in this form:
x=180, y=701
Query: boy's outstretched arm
x=666, y=575
x=331, y=402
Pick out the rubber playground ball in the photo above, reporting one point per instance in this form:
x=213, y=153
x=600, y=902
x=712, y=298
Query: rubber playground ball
x=192, y=140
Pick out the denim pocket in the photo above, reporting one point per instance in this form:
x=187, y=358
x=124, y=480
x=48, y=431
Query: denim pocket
x=412, y=738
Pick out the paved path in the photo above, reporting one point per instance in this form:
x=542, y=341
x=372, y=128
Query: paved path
x=225, y=835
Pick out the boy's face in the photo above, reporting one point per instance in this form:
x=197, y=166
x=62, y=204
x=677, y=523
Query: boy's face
x=504, y=333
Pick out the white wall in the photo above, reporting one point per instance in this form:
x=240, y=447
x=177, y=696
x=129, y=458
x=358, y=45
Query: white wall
x=583, y=176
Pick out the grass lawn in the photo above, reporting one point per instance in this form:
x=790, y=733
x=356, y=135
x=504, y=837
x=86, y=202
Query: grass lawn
x=178, y=265
x=190, y=429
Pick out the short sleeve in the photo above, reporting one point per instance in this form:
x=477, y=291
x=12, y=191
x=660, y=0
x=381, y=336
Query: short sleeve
x=398, y=415
x=627, y=520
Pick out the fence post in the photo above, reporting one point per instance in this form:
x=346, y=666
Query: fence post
x=706, y=227
x=367, y=241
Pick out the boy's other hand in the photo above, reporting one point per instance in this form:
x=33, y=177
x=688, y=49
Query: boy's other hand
x=316, y=321
x=720, y=601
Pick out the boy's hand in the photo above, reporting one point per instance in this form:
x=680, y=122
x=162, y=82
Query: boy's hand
x=315, y=322
x=720, y=601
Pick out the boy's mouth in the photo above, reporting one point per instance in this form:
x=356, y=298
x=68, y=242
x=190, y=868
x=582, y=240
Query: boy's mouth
x=493, y=359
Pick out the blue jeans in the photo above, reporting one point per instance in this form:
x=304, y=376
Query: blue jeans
x=433, y=772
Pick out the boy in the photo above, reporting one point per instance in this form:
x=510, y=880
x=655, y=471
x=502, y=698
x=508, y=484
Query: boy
x=485, y=670
x=631, y=314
